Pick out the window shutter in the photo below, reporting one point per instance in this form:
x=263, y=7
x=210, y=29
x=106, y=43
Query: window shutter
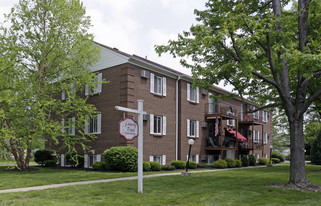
x=197, y=95
x=86, y=160
x=98, y=124
x=210, y=104
x=86, y=89
x=197, y=158
x=86, y=125
x=63, y=95
x=164, y=125
x=188, y=89
x=151, y=158
x=62, y=125
x=163, y=159
x=164, y=86
x=258, y=136
x=197, y=128
x=188, y=129
x=62, y=160
x=73, y=120
x=98, y=157
x=151, y=124
x=99, y=85
x=151, y=83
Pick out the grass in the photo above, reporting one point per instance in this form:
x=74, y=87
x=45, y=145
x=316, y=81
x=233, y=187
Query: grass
x=234, y=187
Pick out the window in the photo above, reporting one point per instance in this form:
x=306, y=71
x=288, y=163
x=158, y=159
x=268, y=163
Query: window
x=192, y=94
x=98, y=87
x=161, y=159
x=192, y=128
x=264, y=116
x=69, y=125
x=157, y=124
x=93, y=125
x=157, y=85
x=256, y=137
x=71, y=93
x=265, y=138
x=265, y=155
x=230, y=122
x=255, y=114
x=89, y=160
x=194, y=158
x=257, y=156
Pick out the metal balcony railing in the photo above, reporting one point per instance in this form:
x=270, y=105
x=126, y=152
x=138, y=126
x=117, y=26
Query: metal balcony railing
x=221, y=108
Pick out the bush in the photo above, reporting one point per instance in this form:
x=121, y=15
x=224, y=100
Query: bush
x=278, y=155
x=315, y=152
x=230, y=162
x=204, y=165
x=40, y=156
x=275, y=160
x=50, y=163
x=168, y=167
x=245, y=161
x=238, y=163
x=179, y=164
x=252, y=160
x=74, y=159
x=146, y=166
x=99, y=166
x=121, y=158
x=287, y=157
x=264, y=161
x=192, y=165
x=155, y=166
x=220, y=164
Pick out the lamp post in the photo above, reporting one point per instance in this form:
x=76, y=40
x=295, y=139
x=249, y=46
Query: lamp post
x=270, y=163
x=190, y=142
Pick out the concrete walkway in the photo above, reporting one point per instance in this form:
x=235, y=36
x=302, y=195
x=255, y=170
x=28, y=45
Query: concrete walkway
x=43, y=187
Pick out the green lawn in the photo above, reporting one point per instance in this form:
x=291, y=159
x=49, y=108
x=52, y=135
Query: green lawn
x=233, y=187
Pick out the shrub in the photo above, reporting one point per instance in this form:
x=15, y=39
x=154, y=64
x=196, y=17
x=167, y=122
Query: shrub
x=74, y=159
x=40, y=156
x=252, y=160
x=275, y=160
x=168, y=167
x=245, y=161
x=204, y=165
x=264, y=161
x=238, y=163
x=146, y=166
x=99, y=166
x=179, y=164
x=230, y=162
x=287, y=157
x=315, y=152
x=220, y=164
x=278, y=155
x=155, y=166
x=192, y=165
x=50, y=163
x=121, y=158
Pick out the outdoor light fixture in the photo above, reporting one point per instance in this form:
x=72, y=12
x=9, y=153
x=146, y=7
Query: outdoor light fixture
x=190, y=142
x=270, y=163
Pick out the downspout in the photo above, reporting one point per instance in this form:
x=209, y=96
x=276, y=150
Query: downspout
x=176, y=126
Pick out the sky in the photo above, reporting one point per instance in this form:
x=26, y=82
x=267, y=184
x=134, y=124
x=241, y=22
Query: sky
x=136, y=26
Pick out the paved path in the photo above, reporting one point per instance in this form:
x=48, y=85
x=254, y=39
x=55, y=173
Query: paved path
x=43, y=187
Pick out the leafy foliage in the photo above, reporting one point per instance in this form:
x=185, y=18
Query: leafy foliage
x=315, y=154
x=168, y=167
x=50, y=163
x=40, y=156
x=238, y=163
x=179, y=164
x=146, y=166
x=121, y=158
x=264, y=161
x=278, y=155
x=275, y=160
x=99, y=166
x=74, y=159
x=155, y=166
x=252, y=160
x=230, y=162
x=220, y=164
x=245, y=161
x=192, y=165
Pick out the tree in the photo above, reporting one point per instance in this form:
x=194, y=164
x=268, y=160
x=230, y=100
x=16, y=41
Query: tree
x=268, y=54
x=45, y=51
x=315, y=153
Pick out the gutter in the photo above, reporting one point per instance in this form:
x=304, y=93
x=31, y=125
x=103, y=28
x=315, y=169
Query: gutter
x=176, y=125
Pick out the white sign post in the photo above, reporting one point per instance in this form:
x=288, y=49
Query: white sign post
x=140, y=113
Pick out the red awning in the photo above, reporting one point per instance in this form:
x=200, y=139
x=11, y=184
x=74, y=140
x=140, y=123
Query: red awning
x=239, y=136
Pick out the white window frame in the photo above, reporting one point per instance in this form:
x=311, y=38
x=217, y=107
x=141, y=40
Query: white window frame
x=264, y=116
x=161, y=159
x=98, y=87
x=265, y=138
x=192, y=94
x=94, y=122
x=157, y=85
x=161, y=124
x=68, y=125
x=192, y=126
x=256, y=136
x=256, y=115
x=257, y=156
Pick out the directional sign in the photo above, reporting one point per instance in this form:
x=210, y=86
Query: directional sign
x=128, y=128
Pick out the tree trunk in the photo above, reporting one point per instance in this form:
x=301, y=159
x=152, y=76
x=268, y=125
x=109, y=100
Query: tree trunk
x=297, y=165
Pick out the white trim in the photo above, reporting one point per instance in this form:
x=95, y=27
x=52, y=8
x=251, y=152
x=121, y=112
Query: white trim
x=197, y=129
x=188, y=127
x=151, y=158
x=163, y=159
x=188, y=92
x=164, y=87
x=98, y=124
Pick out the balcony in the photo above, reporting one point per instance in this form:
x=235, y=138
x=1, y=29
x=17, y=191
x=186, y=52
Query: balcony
x=217, y=143
x=221, y=109
x=251, y=118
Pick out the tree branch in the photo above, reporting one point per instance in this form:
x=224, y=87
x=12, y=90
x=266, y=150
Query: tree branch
x=309, y=101
x=266, y=79
x=264, y=107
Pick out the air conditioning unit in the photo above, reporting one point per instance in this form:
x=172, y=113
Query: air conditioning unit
x=204, y=92
x=230, y=113
x=145, y=74
x=204, y=124
x=145, y=117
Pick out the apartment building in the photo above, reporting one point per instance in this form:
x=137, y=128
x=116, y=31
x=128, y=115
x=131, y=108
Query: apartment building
x=175, y=112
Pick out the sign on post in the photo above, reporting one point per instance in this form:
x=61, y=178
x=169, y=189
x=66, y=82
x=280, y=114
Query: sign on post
x=128, y=128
